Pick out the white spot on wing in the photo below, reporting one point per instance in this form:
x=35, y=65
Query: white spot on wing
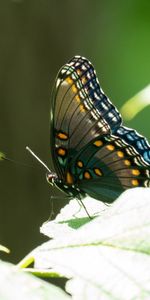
x=91, y=85
x=96, y=96
x=63, y=71
x=110, y=115
x=83, y=67
x=104, y=105
x=58, y=82
x=86, y=105
x=94, y=115
x=88, y=75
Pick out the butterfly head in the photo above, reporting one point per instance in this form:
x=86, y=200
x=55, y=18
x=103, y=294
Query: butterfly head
x=51, y=178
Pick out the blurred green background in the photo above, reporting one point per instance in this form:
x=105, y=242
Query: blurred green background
x=36, y=38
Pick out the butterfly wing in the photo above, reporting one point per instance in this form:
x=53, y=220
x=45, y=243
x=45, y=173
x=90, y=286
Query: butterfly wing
x=90, y=147
x=131, y=137
x=80, y=111
x=107, y=166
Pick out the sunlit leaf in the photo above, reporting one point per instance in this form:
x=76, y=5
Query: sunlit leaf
x=109, y=257
x=16, y=285
x=72, y=217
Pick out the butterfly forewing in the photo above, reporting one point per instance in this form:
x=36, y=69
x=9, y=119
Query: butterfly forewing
x=80, y=111
x=95, y=93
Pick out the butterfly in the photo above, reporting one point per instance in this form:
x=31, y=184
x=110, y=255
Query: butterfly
x=92, y=152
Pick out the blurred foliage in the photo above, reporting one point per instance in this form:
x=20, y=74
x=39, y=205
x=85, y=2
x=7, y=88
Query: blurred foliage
x=136, y=104
x=18, y=285
x=36, y=38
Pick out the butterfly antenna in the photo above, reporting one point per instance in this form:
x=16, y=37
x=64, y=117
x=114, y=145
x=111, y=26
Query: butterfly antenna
x=38, y=159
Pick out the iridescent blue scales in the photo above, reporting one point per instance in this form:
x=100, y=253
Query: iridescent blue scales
x=92, y=152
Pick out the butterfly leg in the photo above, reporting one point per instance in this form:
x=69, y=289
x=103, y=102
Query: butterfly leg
x=82, y=205
x=52, y=208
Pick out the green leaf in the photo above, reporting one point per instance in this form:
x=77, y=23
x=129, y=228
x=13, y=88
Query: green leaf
x=107, y=258
x=2, y=156
x=16, y=285
x=136, y=104
x=4, y=249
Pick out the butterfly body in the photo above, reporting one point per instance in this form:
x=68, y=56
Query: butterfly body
x=93, y=153
x=71, y=190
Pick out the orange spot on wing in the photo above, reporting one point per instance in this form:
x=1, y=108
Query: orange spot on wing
x=69, y=178
x=77, y=98
x=61, y=152
x=135, y=172
x=69, y=80
x=135, y=182
x=98, y=143
x=110, y=147
x=98, y=172
x=127, y=162
x=79, y=72
x=80, y=164
x=120, y=153
x=84, y=80
x=62, y=136
x=74, y=89
x=87, y=175
x=82, y=108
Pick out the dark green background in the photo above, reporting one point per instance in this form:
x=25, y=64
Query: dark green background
x=36, y=39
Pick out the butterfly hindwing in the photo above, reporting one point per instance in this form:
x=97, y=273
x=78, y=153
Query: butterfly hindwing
x=133, y=138
x=107, y=166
